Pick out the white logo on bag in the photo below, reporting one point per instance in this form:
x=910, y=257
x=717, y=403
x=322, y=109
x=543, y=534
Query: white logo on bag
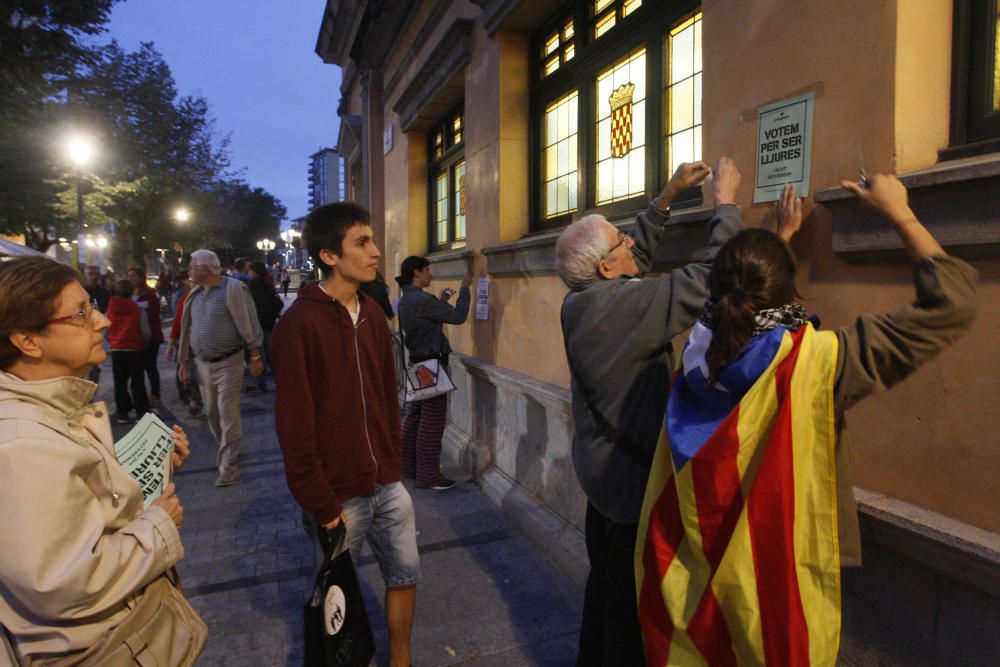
x=334, y=609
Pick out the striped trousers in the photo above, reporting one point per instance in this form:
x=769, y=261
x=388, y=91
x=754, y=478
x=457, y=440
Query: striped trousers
x=422, y=431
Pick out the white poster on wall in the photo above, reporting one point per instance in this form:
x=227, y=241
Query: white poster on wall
x=784, y=147
x=483, y=299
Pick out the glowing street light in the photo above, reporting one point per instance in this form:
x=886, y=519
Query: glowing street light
x=265, y=246
x=80, y=151
x=182, y=215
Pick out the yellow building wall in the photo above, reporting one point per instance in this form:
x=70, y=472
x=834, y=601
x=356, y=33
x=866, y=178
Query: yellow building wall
x=881, y=74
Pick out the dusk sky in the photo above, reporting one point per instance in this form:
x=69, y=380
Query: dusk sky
x=254, y=62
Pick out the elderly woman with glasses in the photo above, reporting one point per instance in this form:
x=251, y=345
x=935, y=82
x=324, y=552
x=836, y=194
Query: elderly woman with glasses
x=85, y=572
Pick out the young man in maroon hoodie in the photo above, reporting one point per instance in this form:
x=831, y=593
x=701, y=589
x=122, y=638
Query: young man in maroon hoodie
x=337, y=413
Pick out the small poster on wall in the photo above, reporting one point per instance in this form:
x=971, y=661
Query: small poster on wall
x=483, y=299
x=784, y=147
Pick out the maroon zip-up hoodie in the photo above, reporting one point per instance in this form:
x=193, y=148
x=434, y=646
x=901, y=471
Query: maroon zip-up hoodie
x=336, y=408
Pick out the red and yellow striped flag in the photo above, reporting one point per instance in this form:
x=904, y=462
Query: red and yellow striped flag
x=737, y=560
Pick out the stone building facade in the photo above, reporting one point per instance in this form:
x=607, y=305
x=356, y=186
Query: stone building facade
x=475, y=130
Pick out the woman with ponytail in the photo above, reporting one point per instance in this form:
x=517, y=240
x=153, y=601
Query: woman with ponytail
x=749, y=507
x=421, y=318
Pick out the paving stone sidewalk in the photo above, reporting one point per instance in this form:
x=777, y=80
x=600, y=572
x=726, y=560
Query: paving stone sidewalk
x=488, y=596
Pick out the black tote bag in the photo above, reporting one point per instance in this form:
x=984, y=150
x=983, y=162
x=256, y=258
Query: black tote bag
x=337, y=633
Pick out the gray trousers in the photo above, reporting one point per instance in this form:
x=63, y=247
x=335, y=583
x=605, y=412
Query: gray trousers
x=220, y=383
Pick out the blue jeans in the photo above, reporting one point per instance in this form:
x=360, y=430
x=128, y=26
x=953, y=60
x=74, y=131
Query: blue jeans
x=386, y=519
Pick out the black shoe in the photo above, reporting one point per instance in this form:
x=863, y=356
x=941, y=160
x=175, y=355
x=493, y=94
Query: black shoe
x=119, y=418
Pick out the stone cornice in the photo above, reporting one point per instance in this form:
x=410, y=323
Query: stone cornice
x=955, y=200
x=683, y=241
x=423, y=35
x=433, y=84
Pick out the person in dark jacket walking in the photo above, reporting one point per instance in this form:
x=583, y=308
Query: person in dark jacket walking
x=101, y=295
x=269, y=306
x=421, y=316
x=127, y=338
x=336, y=410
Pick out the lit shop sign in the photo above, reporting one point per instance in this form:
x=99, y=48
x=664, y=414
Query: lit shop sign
x=784, y=147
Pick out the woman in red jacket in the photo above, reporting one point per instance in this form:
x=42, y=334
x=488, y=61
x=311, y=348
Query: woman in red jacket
x=127, y=338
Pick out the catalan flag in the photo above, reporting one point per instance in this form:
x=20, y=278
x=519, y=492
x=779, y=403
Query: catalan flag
x=737, y=561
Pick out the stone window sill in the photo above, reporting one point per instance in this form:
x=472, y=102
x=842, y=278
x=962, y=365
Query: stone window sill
x=535, y=255
x=956, y=200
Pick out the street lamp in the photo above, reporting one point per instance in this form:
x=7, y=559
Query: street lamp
x=265, y=246
x=182, y=215
x=80, y=150
x=289, y=236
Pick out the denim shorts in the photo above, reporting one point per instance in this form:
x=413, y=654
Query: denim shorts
x=386, y=518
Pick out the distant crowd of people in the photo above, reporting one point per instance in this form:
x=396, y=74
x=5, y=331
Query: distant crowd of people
x=687, y=467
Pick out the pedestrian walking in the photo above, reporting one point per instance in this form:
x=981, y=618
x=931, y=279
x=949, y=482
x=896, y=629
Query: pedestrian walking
x=101, y=294
x=218, y=323
x=286, y=280
x=147, y=299
x=188, y=392
x=421, y=319
x=336, y=411
x=269, y=306
x=617, y=326
x=85, y=572
x=127, y=337
x=751, y=484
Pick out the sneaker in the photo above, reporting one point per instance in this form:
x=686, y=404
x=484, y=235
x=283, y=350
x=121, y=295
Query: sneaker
x=119, y=418
x=227, y=478
x=194, y=409
x=442, y=484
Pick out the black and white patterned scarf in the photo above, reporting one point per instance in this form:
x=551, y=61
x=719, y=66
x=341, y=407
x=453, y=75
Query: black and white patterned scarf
x=790, y=315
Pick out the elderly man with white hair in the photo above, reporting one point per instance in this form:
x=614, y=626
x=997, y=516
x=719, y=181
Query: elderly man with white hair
x=219, y=321
x=617, y=326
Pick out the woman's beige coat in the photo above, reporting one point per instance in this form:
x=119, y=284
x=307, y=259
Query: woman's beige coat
x=75, y=544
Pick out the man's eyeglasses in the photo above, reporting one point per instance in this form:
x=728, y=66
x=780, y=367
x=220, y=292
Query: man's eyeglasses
x=623, y=239
x=84, y=317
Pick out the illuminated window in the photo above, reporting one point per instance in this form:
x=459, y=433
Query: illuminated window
x=621, y=129
x=559, y=163
x=458, y=186
x=558, y=49
x=682, y=99
x=607, y=13
x=975, y=103
x=447, y=182
x=600, y=143
x=441, y=208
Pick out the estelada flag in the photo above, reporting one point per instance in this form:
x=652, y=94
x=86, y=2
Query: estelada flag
x=737, y=560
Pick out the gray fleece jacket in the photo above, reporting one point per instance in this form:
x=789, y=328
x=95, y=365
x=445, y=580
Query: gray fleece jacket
x=617, y=335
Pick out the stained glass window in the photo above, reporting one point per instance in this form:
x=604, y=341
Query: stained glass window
x=458, y=200
x=441, y=208
x=621, y=129
x=446, y=170
x=559, y=164
x=683, y=93
x=558, y=48
x=608, y=12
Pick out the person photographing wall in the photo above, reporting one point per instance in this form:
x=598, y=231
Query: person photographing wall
x=421, y=318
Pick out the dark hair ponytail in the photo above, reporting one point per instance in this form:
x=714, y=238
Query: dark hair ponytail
x=754, y=270
x=410, y=265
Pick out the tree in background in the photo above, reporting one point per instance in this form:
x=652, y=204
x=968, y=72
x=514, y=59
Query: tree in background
x=42, y=47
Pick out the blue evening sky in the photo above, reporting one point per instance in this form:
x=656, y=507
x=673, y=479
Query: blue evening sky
x=254, y=61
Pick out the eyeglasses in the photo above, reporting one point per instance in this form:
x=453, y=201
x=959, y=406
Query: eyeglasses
x=82, y=318
x=623, y=239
